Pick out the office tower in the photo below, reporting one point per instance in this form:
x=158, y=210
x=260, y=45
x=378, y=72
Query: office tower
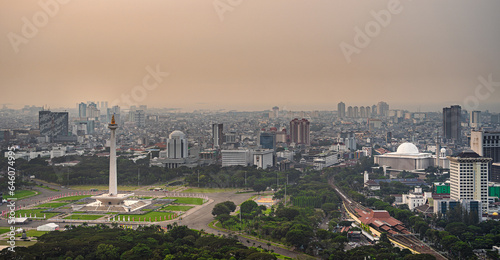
x=383, y=108
x=53, y=123
x=92, y=111
x=374, y=110
x=349, y=112
x=475, y=119
x=362, y=112
x=82, y=110
x=355, y=111
x=495, y=118
x=341, y=110
x=469, y=178
x=140, y=118
x=487, y=144
x=452, y=129
x=177, y=146
x=267, y=140
x=143, y=107
x=276, y=111
x=299, y=131
x=217, y=135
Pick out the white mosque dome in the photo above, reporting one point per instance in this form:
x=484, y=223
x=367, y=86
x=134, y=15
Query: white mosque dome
x=443, y=150
x=407, y=148
x=177, y=133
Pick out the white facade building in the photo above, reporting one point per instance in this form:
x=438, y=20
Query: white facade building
x=236, y=157
x=469, y=178
x=263, y=158
x=177, y=146
x=324, y=160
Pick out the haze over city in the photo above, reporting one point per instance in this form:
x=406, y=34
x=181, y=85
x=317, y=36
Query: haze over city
x=252, y=55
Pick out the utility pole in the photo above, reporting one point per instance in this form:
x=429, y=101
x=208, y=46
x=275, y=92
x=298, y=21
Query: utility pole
x=138, y=174
x=245, y=179
x=198, y=178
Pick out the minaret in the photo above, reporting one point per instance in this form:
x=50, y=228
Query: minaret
x=113, y=190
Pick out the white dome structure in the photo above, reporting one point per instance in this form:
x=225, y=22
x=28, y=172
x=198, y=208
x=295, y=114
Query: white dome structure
x=177, y=133
x=407, y=148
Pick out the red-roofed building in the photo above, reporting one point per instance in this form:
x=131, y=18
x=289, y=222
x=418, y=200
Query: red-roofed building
x=381, y=220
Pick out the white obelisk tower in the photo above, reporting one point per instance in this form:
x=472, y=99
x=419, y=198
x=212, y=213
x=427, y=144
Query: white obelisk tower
x=113, y=190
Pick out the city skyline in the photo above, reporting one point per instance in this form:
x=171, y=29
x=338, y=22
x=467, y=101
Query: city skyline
x=298, y=56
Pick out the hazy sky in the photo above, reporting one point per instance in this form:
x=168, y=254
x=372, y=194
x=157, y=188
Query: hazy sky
x=250, y=54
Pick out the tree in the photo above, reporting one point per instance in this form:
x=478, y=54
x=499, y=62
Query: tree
x=328, y=207
x=258, y=187
x=230, y=205
x=105, y=251
x=220, y=209
x=248, y=206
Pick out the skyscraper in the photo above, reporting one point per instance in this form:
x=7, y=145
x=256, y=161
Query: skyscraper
x=355, y=111
x=299, y=131
x=486, y=144
x=349, y=112
x=217, y=135
x=276, y=111
x=374, y=110
x=475, y=119
x=383, y=108
x=82, y=110
x=53, y=123
x=140, y=118
x=341, y=110
x=452, y=129
x=469, y=178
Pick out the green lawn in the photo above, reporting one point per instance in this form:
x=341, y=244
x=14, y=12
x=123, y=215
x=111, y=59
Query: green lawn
x=4, y=230
x=47, y=188
x=185, y=200
x=38, y=213
x=21, y=194
x=33, y=233
x=208, y=190
x=73, y=198
x=104, y=187
x=178, y=208
x=84, y=217
x=52, y=205
x=148, y=215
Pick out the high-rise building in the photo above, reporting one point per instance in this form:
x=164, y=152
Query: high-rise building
x=267, y=140
x=495, y=118
x=383, y=108
x=299, y=131
x=217, y=135
x=355, y=111
x=368, y=111
x=140, y=118
x=362, y=112
x=349, y=112
x=92, y=110
x=53, y=124
x=475, y=119
x=276, y=111
x=486, y=144
x=374, y=110
x=82, y=110
x=341, y=110
x=452, y=129
x=469, y=178
x=177, y=146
